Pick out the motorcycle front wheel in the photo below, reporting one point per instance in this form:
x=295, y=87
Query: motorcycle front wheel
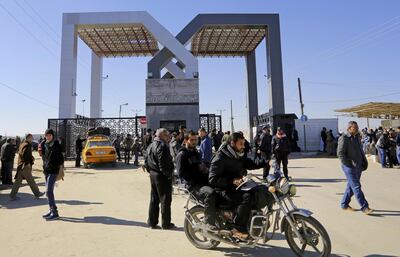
x=194, y=235
x=318, y=243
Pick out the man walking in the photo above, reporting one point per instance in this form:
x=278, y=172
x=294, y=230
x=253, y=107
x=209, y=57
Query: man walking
x=353, y=162
x=117, y=145
x=52, y=161
x=205, y=147
x=7, y=156
x=24, y=169
x=161, y=168
x=128, y=144
x=265, y=149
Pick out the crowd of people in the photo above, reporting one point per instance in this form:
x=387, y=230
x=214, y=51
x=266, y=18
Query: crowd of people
x=211, y=165
x=383, y=143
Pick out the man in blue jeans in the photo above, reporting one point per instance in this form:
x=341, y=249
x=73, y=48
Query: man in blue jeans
x=52, y=161
x=353, y=162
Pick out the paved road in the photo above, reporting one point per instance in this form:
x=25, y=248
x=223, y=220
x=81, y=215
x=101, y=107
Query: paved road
x=104, y=213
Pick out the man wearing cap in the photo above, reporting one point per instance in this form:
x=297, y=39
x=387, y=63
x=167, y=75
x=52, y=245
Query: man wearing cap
x=265, y=149
x=24, y=169
x=52, y=160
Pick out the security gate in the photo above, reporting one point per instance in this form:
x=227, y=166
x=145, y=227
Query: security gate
x=69, y=129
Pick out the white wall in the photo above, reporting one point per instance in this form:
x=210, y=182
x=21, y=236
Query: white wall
x=313, y=129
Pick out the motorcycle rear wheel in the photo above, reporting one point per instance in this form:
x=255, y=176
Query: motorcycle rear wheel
x=316, y=236
x=195, y=236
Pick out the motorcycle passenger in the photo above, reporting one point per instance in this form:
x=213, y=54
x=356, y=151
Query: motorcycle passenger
x=227, y=170
x=195, y=175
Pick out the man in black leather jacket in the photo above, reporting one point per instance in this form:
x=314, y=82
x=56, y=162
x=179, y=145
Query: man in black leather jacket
x=227, y=170
x=195, y=175
x=159, y=164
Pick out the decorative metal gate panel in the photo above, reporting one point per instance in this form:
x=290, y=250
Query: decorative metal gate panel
x=210, y=122
x=69, y=129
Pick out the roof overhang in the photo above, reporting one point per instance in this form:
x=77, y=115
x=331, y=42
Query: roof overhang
x=227, y=40
x=380, y=110
x=118, y=40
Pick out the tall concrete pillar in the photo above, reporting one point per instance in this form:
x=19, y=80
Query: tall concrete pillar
x=274, y=69
x=67, y=98
x=252, y=98
x=96, y=86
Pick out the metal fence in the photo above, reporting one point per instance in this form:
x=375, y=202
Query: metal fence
x=69, y=129
x=210, y=122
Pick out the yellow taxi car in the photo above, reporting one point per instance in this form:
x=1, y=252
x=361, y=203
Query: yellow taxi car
x=98, y=149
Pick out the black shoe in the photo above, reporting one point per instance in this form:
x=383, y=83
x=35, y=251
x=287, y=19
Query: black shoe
x=40, y=195
x=169, y=226
x=53, y=216
x=46, y=215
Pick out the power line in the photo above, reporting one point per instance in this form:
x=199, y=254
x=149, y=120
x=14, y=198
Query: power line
x=27, y=96
x=27, y=30
x=42, y=19
x=57, y=40
x=354, y=42
x=362, y=85
x=354, y=99
x=36, y=22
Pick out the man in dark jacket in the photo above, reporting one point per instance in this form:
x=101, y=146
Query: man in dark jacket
x=159, y=163
x=117, y=145
x=24, y=169
x=265, y=149
x=52, y=161
x=78, y=150
x=147, y=139
x=227, y=170
x=7, y=156
x=281, y=150
x=353, y=162
x=324, y=137
x=195, y=175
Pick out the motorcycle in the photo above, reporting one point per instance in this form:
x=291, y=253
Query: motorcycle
x=300, y=229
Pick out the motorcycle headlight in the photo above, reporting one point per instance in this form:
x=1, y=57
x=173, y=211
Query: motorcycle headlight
x=292, y=190
x=283, y=185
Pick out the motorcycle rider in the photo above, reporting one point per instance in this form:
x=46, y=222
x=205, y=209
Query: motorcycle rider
x=228, y=168
x=195, y=174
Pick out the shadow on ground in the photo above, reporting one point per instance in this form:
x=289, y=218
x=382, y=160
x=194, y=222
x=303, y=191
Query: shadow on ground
x=261, y=251
x=108, y=221
x=319, y=180
x=27, y=200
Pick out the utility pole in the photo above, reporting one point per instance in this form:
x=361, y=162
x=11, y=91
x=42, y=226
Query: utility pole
x=220, y=114
x=232, y=128
x=302, y=114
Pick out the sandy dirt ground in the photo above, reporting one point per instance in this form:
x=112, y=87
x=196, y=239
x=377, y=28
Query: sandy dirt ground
x=104, y=213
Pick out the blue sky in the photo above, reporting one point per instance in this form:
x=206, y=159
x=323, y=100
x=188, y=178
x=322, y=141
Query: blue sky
x=346, y=52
